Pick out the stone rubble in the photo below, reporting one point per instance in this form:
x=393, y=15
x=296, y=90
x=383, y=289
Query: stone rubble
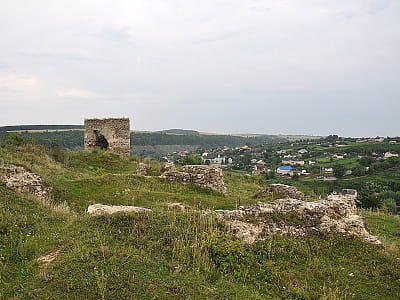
x=23, y=181
x=49, y=258
x=200, y=175
x=178, y=205
x=283, y=190
x=142, y=169
x=294, y=217
x=167, y=167
x=101, y=209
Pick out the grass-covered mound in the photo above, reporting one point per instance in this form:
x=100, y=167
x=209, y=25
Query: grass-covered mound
x=168, y=254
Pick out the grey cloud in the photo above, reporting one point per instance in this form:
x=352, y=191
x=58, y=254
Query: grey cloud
x=57, y=56
x=116, y=33
x=221, y=37
x=378, y=6
x=215, y=65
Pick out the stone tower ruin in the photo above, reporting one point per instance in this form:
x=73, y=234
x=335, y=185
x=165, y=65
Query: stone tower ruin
x=108, y=134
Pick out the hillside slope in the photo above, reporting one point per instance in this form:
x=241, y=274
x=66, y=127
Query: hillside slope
x=56, y=251
x=71, y=137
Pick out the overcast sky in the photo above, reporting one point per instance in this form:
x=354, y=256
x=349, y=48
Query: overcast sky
x=259, y=66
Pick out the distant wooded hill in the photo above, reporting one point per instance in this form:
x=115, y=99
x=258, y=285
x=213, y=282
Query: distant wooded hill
x=39, y=127
x=71, y=137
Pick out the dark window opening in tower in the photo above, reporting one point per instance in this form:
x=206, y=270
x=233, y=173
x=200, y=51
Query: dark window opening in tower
x=101, y=141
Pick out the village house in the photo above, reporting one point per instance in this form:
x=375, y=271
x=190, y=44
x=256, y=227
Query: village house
x=289, y=156
x=292, y=162
x=390, y=154
x=183, y=153
x=259, y=167
x=304, y=172
x=351, y=193
x=302, y=151
x=284, y=170
x=261, y=162
x=211, y=160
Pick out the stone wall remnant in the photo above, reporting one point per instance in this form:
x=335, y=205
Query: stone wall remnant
x=283, y=190
x=142, y=169
x=168, y=166
x=101, y=209
x=200, y=175
x=23, y=181
x=294, y=217
x=108, y=134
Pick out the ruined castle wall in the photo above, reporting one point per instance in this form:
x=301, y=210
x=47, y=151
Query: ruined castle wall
x=204, y=176
x=116, y=132
x=293, y=217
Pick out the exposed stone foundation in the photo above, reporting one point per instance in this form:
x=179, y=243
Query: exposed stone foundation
x=168, y=166
x=283, y=190
x=204, y=176
x=142, y=169
x=101, y=209
x=293, y=217
x=20, y=180
x=108, y=134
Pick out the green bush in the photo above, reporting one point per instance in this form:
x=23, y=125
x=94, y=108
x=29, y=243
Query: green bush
x=15, y=139
x=389, y=205
x=194, y=159
x=226, y=253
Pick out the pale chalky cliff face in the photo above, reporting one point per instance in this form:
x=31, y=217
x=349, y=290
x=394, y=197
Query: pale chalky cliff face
x=108, y=134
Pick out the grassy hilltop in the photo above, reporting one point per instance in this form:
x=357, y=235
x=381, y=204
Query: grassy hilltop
x=167, y=254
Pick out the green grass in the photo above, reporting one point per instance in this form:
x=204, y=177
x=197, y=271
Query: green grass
x=347, y=162
x=27, y=229
x=386, y=226
x=169, y=254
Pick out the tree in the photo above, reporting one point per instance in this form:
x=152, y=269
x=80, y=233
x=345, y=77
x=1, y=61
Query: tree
x=369, y=195
x=15, y=139
x=332, y=138
x=366, y=161
x=269, y=175
x=194, y=159
x=339, y=171
x=296, y=176
x=369, y=199
x=389, y=205
x=358, y=171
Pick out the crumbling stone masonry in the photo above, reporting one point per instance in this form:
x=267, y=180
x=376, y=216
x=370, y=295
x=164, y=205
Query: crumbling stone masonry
x=168, y=166
x=294, y=217
x=22, y=181
x=101, y=209
x=142, y=169
x=283, y=190
x=204, y=176
x=108, y=134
